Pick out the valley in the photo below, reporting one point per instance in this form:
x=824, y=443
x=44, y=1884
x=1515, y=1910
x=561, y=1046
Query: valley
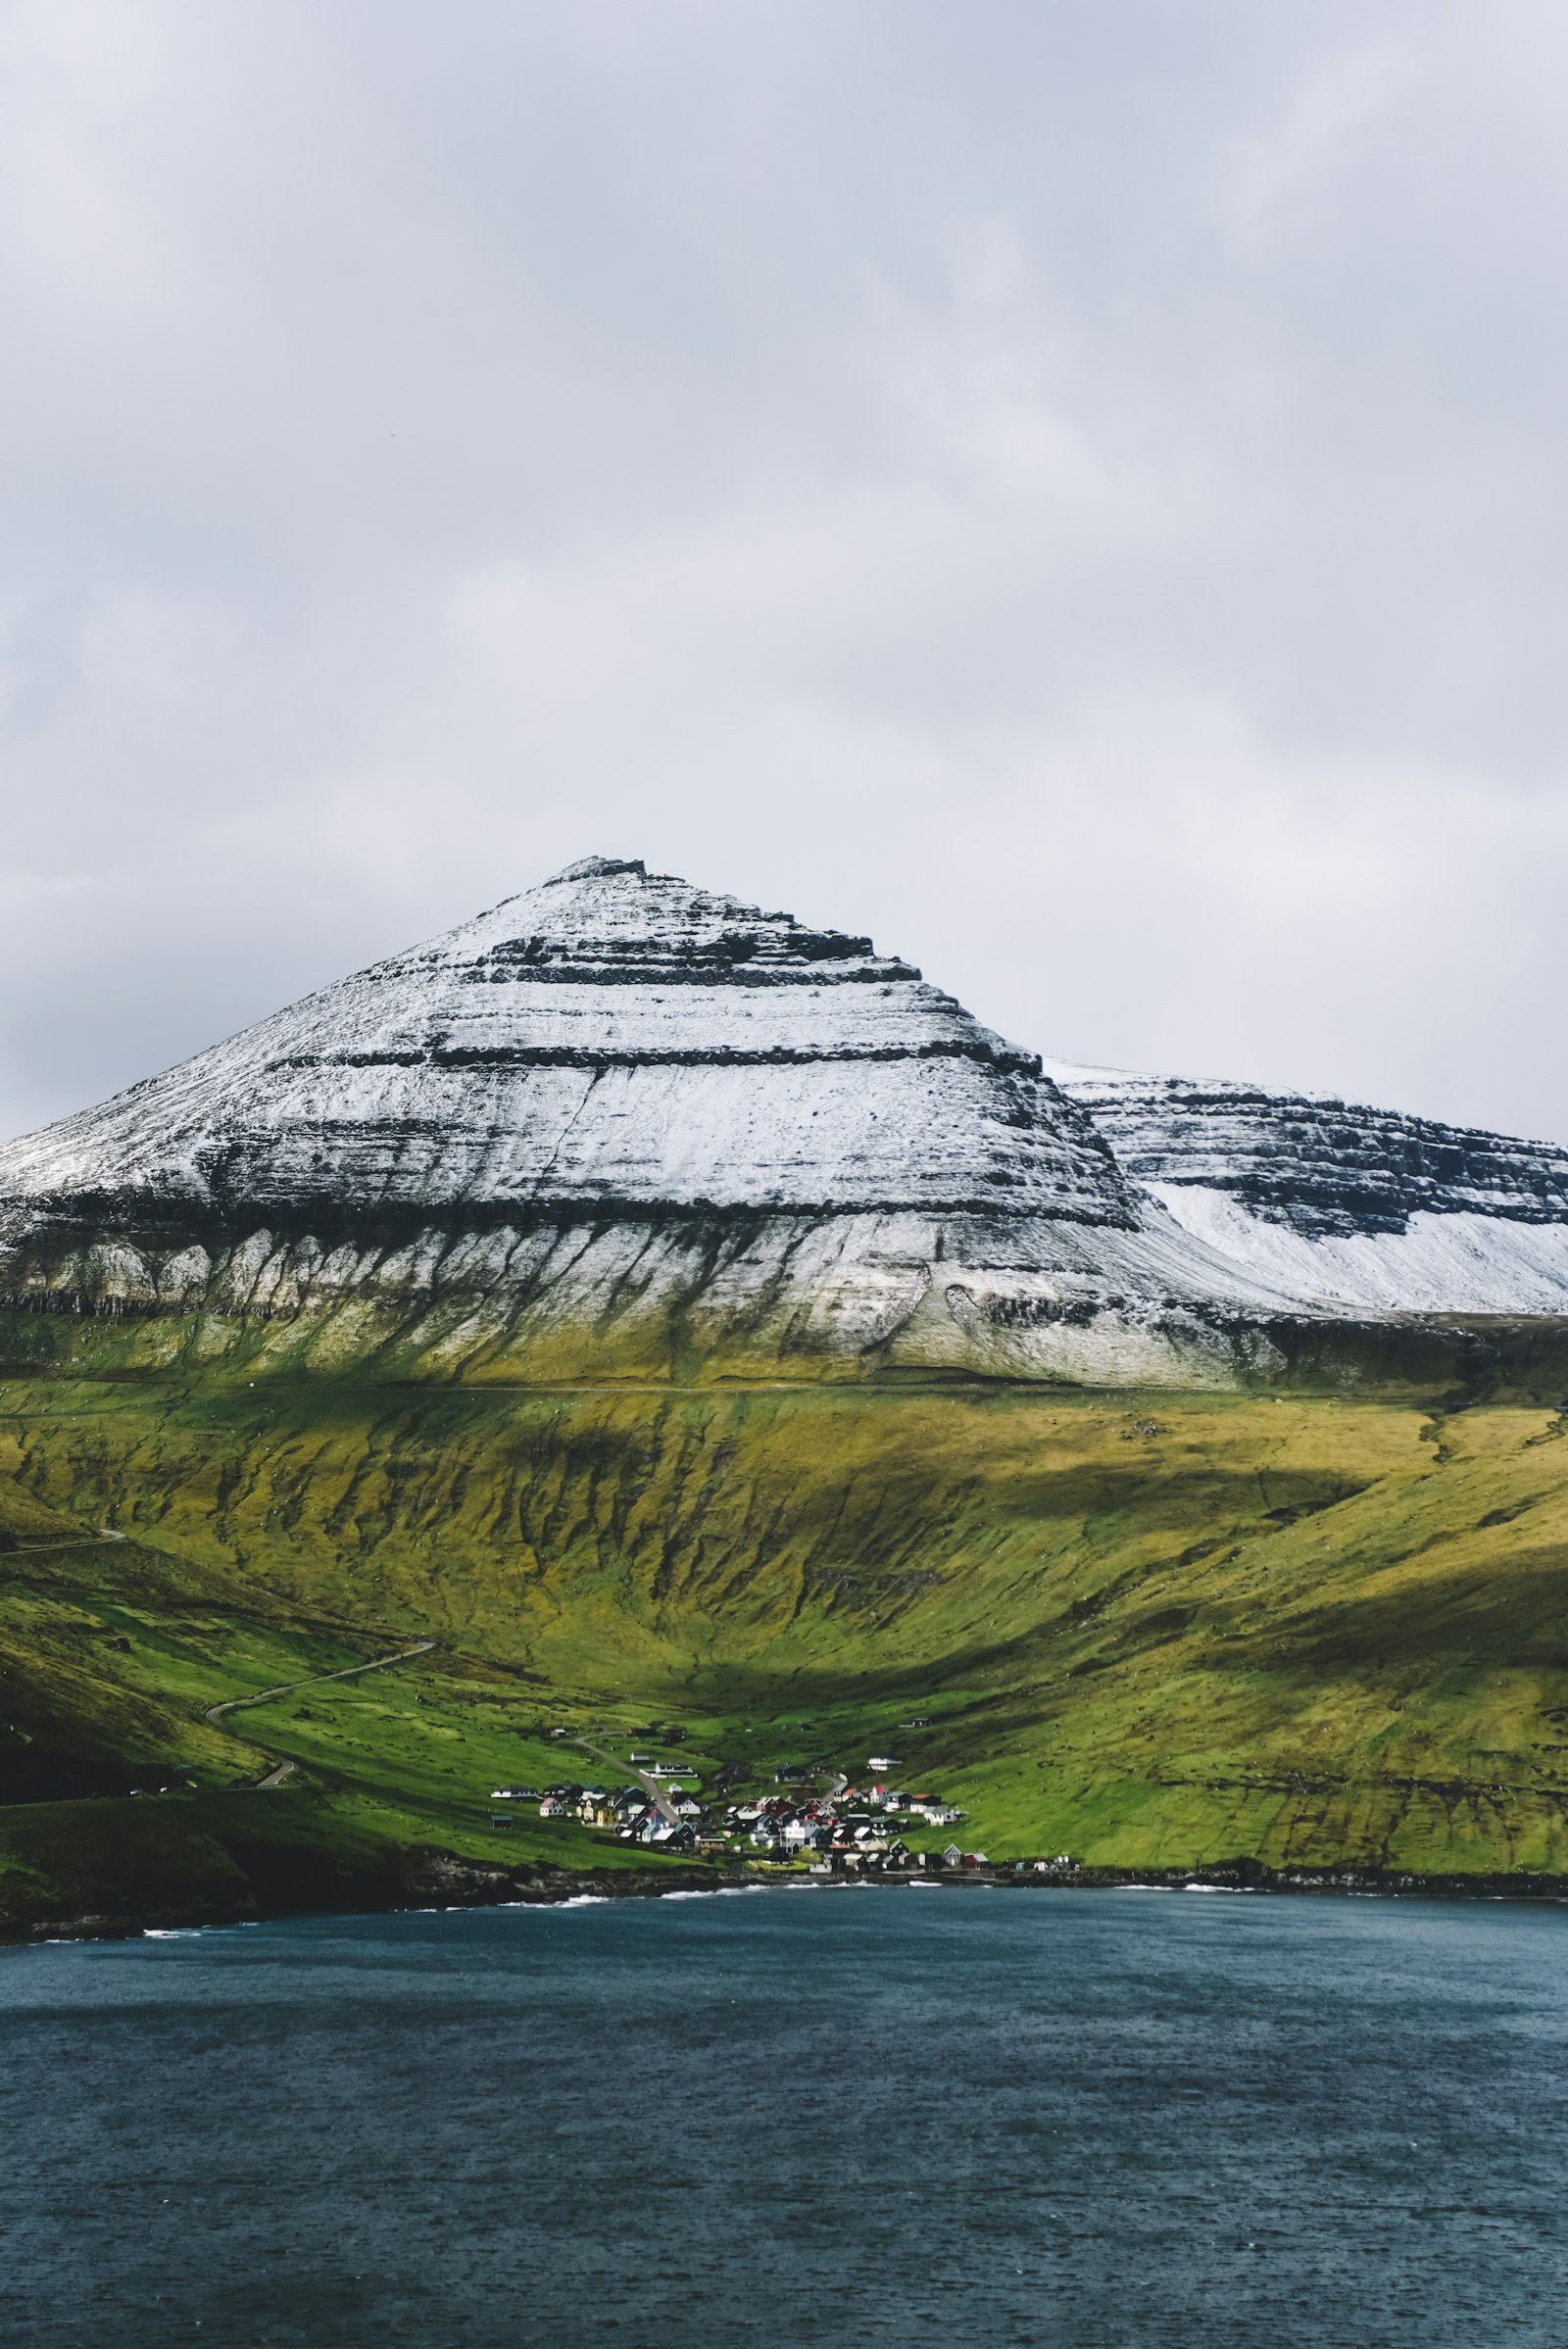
x=1155, y=1630
x=638, y=1306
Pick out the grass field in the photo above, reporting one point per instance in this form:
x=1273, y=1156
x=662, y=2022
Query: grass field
x=1146, y=1629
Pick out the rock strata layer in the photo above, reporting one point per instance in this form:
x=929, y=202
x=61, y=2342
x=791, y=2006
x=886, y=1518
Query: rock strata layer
x=1338, y=1200
x=622, y=1126
x=615, y=1041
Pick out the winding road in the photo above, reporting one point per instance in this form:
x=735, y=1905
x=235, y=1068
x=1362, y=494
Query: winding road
x=216, y=1712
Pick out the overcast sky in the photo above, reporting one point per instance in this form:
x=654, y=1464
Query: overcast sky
x=1078, y=491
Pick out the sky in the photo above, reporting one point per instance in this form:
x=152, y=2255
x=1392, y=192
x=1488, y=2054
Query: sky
x=1080, y=493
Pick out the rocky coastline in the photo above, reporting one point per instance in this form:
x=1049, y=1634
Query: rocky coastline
x=439, y=1881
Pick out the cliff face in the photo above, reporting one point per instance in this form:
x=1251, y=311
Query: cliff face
x=620, y=1123
x=1338, y=1201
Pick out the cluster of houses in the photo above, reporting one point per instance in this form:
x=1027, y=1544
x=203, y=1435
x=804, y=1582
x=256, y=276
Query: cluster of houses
x=852, y=1828
x=633, y=1814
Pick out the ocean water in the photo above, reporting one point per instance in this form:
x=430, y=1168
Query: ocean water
x=1084, y=2120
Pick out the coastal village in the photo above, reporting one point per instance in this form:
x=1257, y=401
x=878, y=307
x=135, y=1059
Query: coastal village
x=837, y=1829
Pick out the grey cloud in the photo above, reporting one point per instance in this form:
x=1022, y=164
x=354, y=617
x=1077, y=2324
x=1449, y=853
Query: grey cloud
x=1078, y=492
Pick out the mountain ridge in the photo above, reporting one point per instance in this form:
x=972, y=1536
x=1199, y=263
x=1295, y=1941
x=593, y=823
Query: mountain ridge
x=621, y=1122
x=1341, y=1202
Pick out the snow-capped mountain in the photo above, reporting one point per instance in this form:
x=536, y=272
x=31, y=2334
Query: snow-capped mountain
x=614, y=1040
x=1340, y=1202
x=622, y=1126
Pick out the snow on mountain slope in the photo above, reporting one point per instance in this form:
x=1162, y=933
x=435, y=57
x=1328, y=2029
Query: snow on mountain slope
x=1356, y=1206
x=612, y=1039
x=622, y=1126
x=621, y=1120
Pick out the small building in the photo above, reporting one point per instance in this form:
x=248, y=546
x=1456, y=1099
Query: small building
x=554, y=1806
x=515, y=1794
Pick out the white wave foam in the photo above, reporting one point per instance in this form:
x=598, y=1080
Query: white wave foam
x=724, y=1892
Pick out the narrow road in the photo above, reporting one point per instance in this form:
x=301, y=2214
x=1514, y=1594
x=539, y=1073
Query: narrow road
x=216, y=1712
x=32, y=1550
x=650, y=1785
x=275, y=1777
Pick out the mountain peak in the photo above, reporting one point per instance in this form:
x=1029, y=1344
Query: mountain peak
x=620, y=1109
x=595, y=868
x=611, y=1040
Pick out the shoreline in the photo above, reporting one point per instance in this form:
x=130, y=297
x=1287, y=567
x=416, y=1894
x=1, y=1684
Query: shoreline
x=442, y=1883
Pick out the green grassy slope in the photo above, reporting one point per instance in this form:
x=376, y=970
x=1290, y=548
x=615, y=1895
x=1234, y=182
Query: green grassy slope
x=1150, y=1630
x=112, y=1652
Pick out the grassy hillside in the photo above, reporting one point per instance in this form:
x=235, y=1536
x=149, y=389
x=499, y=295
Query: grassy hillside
x=1150, y=1630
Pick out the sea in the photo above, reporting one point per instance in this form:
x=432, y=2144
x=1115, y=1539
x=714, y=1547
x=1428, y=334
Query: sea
x=827, y=2116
